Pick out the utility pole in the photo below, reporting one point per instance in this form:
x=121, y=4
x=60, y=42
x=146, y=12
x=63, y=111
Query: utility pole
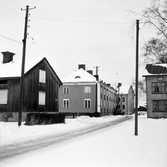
x=22, y=68
x=137, y=64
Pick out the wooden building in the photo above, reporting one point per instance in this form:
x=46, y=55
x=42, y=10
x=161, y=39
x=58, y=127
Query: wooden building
x=41, y=85
x=82, y=93
x=156, y=90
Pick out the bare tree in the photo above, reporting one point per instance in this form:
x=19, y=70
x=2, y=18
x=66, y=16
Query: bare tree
x=155, y=50
x=141, y=87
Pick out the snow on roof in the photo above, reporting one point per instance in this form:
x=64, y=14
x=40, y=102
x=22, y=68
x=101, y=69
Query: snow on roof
x=79, y=76
x=124, y=89
x=13, y=68
x=155, y=69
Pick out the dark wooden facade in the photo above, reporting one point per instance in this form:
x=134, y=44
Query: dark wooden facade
x=32, y=86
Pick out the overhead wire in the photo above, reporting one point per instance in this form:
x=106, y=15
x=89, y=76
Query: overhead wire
x=13, y=3
x=82, y=21
x=7, y=7
x=54, y=38
x=10, y=39
x=62, y=34
x=10, y=16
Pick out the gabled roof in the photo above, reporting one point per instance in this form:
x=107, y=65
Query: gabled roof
x=79, y=76
x=125, y=89
x=155, y=69
x=13, y=68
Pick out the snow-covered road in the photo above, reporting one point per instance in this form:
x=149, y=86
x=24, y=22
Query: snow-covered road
x=11, y=150
x=115, y=146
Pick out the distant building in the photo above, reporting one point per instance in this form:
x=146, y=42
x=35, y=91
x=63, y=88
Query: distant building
x=41, y=85
x=126, y=99
x=82, y=93
x=156, y=90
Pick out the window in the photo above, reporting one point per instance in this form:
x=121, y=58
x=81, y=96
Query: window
x=87, y=103
x=77, y=76
x=66, y=90
x=160, y=78
x=3, y=82
x=123, y=99
x=159, y=105
x=87, y=89
x=123, y=107
x=41, y=100
x=3, y=96
x=42, y=76
x=66, y=103
x=159, y=87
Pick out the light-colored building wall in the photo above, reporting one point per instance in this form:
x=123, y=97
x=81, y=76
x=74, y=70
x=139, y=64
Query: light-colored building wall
x=127, y=101
x=107, y=101
x=77, y=96
x=155, y=96
x=99, y=100
x=130, y=102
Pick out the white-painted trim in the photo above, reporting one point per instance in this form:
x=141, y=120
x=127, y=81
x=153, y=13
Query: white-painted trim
x=86, y=83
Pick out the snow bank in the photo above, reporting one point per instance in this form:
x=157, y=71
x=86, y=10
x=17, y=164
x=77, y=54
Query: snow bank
x=10, y=132
x=114, y=146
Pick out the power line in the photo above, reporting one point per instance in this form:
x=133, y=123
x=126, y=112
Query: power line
x=79, y=21
x=11, y=39
x=61, y=34
x=10, y=16
x=11, y=10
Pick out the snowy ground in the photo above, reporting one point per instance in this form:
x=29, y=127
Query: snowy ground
x=115, y=146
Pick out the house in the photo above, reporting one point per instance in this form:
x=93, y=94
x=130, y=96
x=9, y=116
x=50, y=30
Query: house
x=82, y=93
x=156, y=90
x=41, y=85
x=126, y=99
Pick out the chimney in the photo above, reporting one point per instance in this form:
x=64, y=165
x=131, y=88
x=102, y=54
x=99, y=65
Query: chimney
x=7, y=57
x=90, y=72
x=108, y=85
x=97, y=77
x=81, y=66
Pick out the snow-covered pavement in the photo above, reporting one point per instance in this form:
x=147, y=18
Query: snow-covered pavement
x=10, y=150
x=116, y=146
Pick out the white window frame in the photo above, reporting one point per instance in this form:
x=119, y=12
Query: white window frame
x=42, y=76
x=87, y=103
x=66, y=103
x=87, y=89
x=3, y=96
x=41, y=98
x=66, y=90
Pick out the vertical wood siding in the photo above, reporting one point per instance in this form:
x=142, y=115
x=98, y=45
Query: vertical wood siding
x=31, y=91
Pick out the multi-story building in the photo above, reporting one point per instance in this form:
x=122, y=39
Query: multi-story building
x=156, y=90
x=106, y=99
x=126, y=99
x=82, y=93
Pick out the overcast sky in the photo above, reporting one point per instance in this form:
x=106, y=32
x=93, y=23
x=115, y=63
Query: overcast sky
x=71, y=32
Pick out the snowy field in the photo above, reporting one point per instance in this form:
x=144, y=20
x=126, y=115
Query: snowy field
x=115, y=146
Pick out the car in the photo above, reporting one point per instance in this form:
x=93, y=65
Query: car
x=118, y=112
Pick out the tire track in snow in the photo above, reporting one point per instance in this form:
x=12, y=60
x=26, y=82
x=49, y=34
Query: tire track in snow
x=12, y=150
